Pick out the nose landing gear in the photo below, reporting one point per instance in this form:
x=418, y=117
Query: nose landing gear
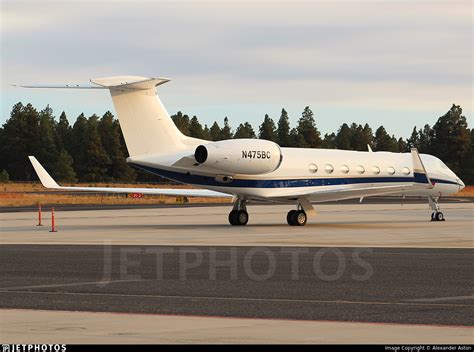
x=437, y=215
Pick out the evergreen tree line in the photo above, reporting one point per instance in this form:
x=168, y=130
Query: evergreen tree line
x=93, y=149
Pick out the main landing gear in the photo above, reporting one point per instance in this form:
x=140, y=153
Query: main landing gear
x=239, y=216
x=436, y=215
x=296, y=217
x=299, y=216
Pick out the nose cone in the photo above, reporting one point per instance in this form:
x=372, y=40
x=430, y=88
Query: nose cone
x=461, y=184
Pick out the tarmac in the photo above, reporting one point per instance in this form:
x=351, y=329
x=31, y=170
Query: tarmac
x=336, y=225
x=369, y=273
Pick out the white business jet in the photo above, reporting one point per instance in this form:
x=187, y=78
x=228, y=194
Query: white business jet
x=252, y=169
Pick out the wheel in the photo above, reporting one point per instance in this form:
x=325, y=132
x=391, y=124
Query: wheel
x=439, y=216
x=289, y=217
x=238, y=217
x=241, y=217
x=299, y=218
x=433, y=216
x=232, y=220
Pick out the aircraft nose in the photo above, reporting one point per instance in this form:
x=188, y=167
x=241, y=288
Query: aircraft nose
x=461, y=184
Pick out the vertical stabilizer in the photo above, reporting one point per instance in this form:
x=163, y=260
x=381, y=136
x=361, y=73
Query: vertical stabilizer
x=145, y=123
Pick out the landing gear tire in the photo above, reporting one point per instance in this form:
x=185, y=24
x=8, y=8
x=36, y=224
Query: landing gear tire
x=238, y=217
x=296, y=218
x=300, y=218
x=231, y=217
x=289, y=217
x=437, y=216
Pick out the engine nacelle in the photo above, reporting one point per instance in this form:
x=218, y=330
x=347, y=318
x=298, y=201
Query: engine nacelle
x=240, y=156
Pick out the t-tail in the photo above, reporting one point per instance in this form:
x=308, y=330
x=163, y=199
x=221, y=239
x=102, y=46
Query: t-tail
x=146, y=125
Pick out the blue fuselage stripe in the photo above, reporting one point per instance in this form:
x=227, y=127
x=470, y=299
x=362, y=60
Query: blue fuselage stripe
x=283, y=183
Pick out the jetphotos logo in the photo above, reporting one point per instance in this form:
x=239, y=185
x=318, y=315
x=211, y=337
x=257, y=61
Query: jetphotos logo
x=33, y=347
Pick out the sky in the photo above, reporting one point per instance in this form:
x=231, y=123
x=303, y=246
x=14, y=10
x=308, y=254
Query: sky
x=392, y=63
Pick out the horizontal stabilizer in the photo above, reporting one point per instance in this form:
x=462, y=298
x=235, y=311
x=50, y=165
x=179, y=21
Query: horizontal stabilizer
x=60, y=86
x=49, y=182
x=120, y=83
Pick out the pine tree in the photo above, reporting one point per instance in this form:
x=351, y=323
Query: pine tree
x=244, y=131
x=359, y=139
x=367, y=137
x=383, y=141
x=307, y=129
x=425, y=139
x=296, y=139
x=78, y=145
x=182, y=122
x=118, y=169
x=215, y=131
x=48, y=150
x=268, y=129
x=402, y=145
x=283, y=130
x=414, y=140
x=329, y=141
x=63, y=130
x=467, y=174
x=206, y=134
x=64, y=170
x=195, y=128
x=343, y=137
x=451, y=139
x=97, y=160
x=226, y=132
x=20, y=137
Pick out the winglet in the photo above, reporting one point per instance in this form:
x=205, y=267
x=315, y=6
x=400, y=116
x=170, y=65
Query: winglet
x=43, y=175
x=419, y=172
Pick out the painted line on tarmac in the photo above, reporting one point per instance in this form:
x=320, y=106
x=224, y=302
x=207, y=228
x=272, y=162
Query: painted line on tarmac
x=281, y=300
x=98, y=283
x=442, y=299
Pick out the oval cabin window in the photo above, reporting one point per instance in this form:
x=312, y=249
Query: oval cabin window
x=344, y=169
x=329, y=168
x=360, y=169
x=312, y=168
x=376, y=170
x=406, y=171
x=390, y=170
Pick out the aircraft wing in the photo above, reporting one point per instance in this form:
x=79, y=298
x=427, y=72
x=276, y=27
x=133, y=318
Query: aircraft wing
x=49, y=182
x=356, y=192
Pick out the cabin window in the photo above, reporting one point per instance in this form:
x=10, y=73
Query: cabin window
x=376, y=170
x=344, y=169
x=406, y=171
x=390, y=170
x=313, y=168
x=329, y=168
x=360, y=169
